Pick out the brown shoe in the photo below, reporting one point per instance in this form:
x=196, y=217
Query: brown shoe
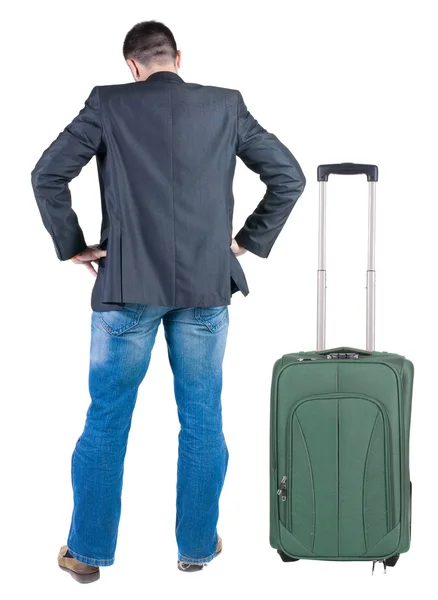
x=192, y=568
x=78, y=570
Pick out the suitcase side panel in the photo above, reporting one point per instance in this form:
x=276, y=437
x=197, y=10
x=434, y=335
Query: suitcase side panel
x=407, y=378
x=273, y=477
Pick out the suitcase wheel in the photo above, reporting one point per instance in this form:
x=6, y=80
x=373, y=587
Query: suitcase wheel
x=286, y=558
x=392, y=560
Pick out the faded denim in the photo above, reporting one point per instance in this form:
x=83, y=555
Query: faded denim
x=121, y=345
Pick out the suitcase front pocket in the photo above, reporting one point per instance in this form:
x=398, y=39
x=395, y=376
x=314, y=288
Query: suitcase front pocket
x=339, y=498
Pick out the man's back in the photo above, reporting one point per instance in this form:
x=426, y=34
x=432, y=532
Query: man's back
x=166, y=154
x=170, y=159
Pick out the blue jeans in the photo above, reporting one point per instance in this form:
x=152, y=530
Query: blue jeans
x=121, y=345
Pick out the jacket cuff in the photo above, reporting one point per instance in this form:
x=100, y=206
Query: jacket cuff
x=69, y=248
x=246, y=242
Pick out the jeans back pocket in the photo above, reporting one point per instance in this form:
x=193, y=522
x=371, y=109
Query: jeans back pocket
x=213, y=317
x=117, y=322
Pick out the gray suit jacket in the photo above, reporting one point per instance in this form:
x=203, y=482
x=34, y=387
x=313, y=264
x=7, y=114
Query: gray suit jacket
x=166, y=154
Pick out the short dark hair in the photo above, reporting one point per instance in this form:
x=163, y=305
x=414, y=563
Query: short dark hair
x=150, y=42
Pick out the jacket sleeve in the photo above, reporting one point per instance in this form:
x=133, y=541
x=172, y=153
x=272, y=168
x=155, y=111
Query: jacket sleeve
x=264, y=154
x=60, y=163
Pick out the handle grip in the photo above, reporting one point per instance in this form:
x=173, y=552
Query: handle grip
x=371, y=171
x=344, y=352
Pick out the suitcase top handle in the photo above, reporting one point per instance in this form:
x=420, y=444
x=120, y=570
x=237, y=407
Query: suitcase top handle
x=344, y=352
x=371, y=171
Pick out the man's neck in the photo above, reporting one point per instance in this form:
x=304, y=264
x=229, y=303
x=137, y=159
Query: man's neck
x=161, y=69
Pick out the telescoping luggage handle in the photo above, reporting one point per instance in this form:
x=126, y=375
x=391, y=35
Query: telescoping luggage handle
x=371, y=172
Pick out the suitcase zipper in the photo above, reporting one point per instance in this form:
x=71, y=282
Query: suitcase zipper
x=282, y=491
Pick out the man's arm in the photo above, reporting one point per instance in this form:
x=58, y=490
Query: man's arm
x=264, y=154
x=60, y=163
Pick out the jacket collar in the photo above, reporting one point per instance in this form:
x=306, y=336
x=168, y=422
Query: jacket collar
x=165, y=76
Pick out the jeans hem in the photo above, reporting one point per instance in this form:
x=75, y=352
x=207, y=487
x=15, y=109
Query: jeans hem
x=195, y=561
x=95, y=562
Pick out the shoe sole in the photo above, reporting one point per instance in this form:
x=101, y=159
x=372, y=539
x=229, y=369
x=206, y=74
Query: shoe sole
x=82, y=577
x=196, y=568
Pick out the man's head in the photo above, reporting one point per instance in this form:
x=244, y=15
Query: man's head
x=148, y=47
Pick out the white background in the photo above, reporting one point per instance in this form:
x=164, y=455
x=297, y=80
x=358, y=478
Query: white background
x=335, y=81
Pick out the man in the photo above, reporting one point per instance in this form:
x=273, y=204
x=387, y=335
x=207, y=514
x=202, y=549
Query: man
x=166, y=153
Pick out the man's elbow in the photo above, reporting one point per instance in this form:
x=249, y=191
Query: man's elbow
x=37, y=176
x=296, y=180
x=301, y=182
x=300, y=178
x=43, y=177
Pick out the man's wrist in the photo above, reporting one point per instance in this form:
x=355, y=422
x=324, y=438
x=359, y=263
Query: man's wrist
x=246, y=242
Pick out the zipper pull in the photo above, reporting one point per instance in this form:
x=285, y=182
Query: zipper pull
x=282, y=490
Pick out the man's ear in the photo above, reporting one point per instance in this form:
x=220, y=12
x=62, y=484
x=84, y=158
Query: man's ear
x=133, y=67
x=178, y=59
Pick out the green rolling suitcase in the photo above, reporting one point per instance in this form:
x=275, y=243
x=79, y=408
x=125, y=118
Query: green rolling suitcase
x=339, y=470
